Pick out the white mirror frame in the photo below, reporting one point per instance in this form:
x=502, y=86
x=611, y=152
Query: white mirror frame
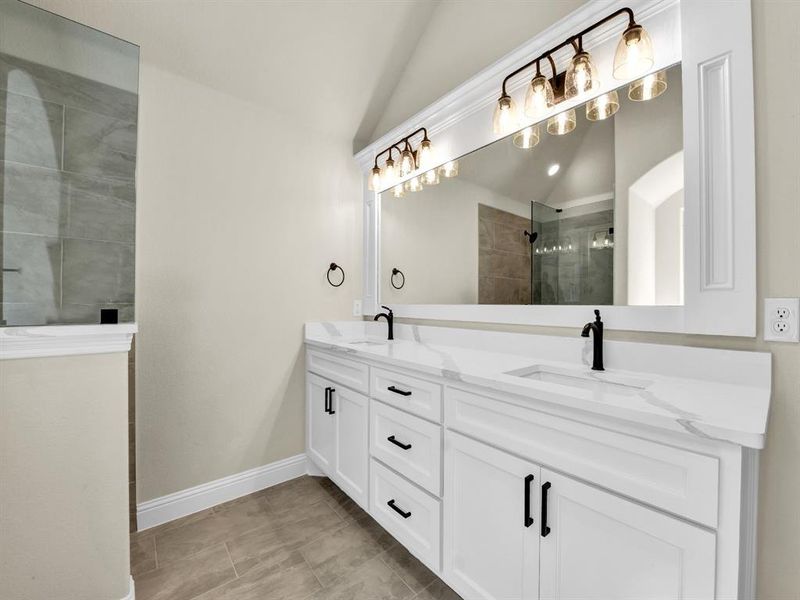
x=719, y=166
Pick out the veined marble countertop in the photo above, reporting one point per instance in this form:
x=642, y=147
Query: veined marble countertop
x=717, y=394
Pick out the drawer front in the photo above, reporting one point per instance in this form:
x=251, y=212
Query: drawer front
x=409, y=514
x=675, y=480
x=408, y=393
x=341, y=370
x=408, y=444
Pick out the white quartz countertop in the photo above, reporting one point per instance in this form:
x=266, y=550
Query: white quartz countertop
x=718, y=394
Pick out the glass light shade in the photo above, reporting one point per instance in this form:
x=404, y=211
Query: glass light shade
x=648, y=87
x=562, y=123
x=425, y=158
x=374, y=184
x=449, y=169
x=603, y=106
x=581, y=76
x=398, y=191
x=413, y=185
x=634, y=56
x=505, y=116
x=407, y=163
x=389, y=173
x=539, y=98
x=527, y=138
x=430, y=177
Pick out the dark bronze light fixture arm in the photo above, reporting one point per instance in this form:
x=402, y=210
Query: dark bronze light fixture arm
x=575, y=40
x=401, y=141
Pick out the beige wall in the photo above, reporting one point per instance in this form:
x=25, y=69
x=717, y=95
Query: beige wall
x=776, y=36
x=64, y=478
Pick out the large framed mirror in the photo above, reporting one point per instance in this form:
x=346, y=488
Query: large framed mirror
x=649, y=213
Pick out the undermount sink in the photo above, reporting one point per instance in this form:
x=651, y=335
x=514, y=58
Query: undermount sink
x=367, y=342
x=595, y=381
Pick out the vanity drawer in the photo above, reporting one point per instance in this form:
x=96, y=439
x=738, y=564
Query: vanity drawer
x=679, y=481
x=408, y=513
x=353, y=374
x=418, y=396
x=408, y=444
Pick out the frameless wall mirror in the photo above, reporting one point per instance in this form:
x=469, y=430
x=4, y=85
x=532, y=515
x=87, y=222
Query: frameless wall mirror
x=68, y=113
x=580, y=210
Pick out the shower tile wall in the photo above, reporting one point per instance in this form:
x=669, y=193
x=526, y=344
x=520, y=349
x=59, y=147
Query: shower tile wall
x=67, y=196
x=504, y=262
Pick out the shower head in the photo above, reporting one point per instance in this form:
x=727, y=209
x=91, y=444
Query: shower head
x=531, y=236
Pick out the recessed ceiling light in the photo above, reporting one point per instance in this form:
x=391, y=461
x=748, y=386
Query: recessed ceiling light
x=553, y=169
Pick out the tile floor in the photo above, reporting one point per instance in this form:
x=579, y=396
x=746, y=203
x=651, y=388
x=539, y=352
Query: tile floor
x=301, y=539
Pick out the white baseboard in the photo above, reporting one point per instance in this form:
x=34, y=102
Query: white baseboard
x=131, y=595
x=192, y=500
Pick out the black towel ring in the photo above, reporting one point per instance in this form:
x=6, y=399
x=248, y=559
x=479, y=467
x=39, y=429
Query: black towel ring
x=334, y=267
x=396, y=271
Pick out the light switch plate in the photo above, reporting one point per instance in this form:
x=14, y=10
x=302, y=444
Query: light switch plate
x=781, y=319
x=357, y=312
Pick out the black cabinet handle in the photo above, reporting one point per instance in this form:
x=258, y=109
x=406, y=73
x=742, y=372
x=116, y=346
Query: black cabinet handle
x=327, y=399
x=391, y=388
x=400, y=444
x=528, y=517
x=397, y=509
x=545, y=528
x=330, y=403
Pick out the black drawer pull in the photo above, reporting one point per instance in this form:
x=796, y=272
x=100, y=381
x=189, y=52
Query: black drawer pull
x=397, y=509
x=391, y=388
x=327, y=399
x=528, y=517
x=400, y=444
x=545, y=528
x=330, y=403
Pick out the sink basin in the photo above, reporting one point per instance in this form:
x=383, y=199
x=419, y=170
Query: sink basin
x=367, y=342
x=595, y=381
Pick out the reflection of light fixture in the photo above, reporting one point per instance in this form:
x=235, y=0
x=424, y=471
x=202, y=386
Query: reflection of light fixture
x=553, y=169
x=430, y=177
x=561, y=123
x=603, y=106
x=449, y=169
x=398, y=191
x=634, y=56
x=539, y=98
x=413, y=185
x=648, y=87
x=581, y=76
x=505, y=115
x=527, y=138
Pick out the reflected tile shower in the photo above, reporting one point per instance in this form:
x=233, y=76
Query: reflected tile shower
x=68, y=123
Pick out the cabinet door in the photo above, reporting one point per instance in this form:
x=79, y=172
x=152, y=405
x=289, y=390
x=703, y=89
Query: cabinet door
x=319, y=423
x=602, y=546
x=351, y=412
x=491, y=536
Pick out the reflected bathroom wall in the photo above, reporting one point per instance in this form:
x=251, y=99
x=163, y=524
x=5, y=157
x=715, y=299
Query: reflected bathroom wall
x=67, y=165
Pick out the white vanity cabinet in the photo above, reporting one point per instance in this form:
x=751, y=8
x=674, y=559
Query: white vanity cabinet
x=507, y=497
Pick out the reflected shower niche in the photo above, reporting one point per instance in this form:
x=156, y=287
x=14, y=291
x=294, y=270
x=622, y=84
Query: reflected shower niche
x=68, y=119
x=593, y=216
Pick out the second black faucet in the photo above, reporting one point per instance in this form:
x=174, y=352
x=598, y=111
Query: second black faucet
x=597, y=329
x=389, y=316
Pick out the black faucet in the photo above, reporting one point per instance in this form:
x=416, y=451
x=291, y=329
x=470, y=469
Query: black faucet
x=389, y=316
x=597, y=328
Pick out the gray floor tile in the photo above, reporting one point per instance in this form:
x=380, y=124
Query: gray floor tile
x=416, y=575
x=374, y=580
x=143, y=554
x=438, y=590
x=186, y=579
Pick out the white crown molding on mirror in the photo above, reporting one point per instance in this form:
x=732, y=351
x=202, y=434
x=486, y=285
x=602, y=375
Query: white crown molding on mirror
x=719, y=197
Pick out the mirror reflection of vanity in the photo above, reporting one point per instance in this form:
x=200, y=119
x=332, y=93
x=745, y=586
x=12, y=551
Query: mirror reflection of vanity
x=590, y=216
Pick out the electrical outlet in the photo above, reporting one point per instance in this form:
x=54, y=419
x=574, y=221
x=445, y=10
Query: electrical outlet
x=357, y=312
x=781, y=319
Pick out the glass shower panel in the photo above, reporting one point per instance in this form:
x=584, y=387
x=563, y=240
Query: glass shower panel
x=68, y=121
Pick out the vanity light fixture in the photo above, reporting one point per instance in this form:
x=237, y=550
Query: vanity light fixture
x=527, y=138
x=409, y=161
x=449, y=169
x=633, y=58
x=649, y=87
